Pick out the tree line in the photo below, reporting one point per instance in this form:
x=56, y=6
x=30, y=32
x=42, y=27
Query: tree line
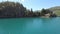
x=15, y=9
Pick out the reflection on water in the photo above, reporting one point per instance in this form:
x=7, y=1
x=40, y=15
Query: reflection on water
x=30, y=26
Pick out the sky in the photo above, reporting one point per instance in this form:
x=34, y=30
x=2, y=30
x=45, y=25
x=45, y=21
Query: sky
x=37, y=4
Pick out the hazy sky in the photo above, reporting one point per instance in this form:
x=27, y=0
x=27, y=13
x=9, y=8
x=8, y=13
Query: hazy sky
x=37, y=4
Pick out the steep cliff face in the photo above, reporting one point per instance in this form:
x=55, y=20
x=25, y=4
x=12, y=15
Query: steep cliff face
x=11, y=9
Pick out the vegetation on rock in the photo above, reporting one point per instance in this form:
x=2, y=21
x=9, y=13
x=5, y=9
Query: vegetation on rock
x=12, y=9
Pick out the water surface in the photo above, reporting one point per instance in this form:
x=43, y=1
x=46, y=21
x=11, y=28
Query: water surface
x=30, y=26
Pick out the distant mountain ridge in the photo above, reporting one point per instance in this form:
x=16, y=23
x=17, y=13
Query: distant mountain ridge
x=56, y=9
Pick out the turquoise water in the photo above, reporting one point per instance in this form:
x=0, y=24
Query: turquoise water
x=30, y=26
